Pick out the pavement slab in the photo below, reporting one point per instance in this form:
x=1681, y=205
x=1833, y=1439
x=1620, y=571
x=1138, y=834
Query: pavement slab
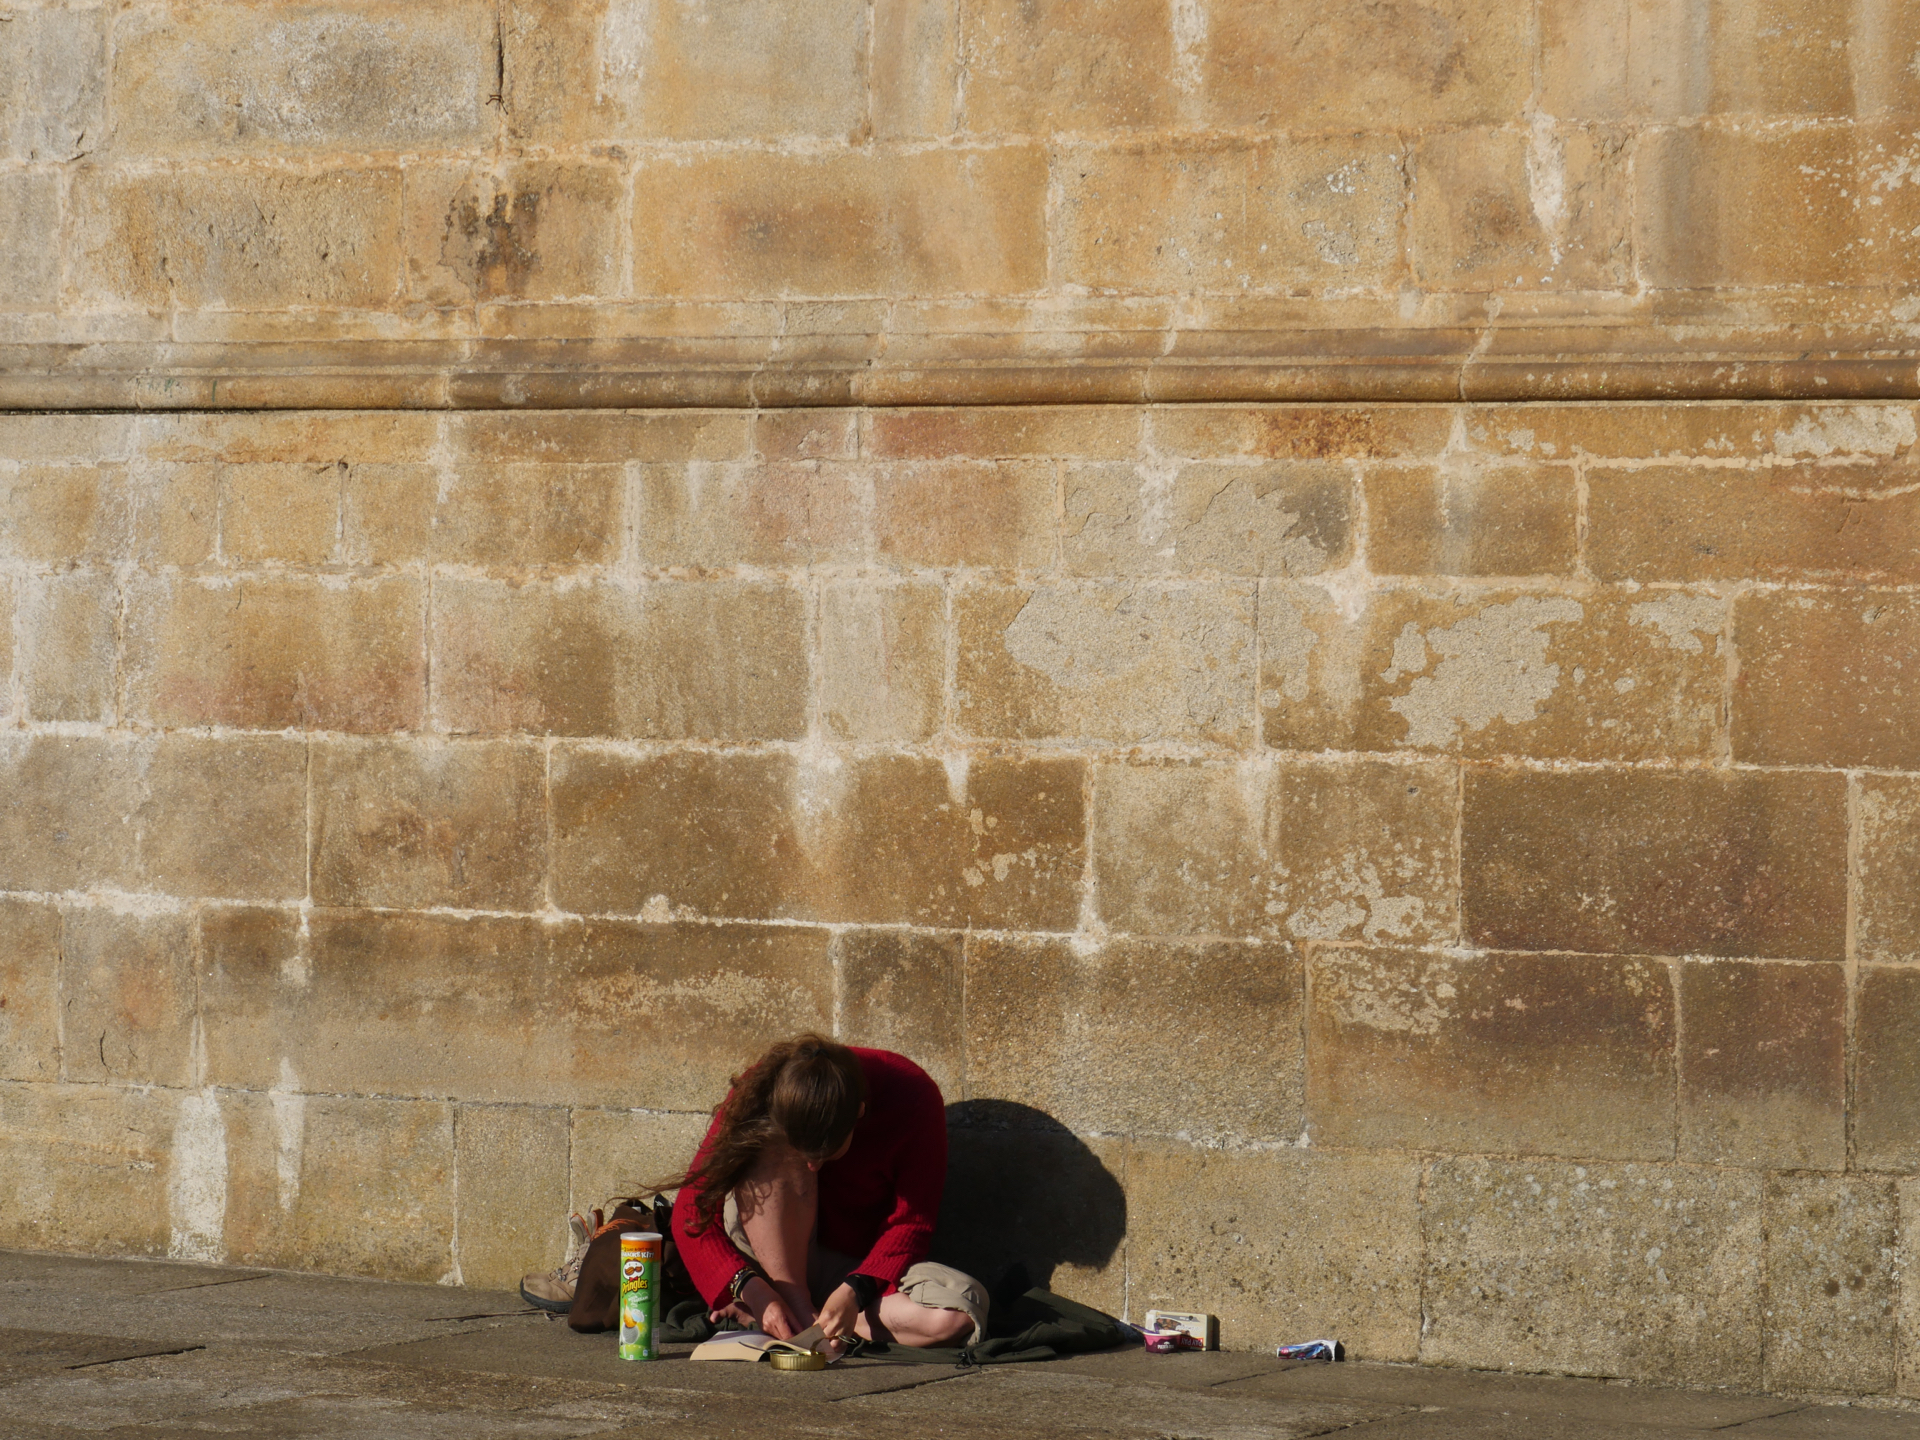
x=147, y=1350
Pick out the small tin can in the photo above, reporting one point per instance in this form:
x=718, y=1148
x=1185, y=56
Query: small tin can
x=639, y=1294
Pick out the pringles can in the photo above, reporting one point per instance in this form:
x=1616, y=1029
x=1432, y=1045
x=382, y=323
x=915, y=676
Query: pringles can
x=639, y=1294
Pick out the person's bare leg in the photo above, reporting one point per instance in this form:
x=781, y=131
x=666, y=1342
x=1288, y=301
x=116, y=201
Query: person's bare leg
x=903, y=1322
x=779, y=1204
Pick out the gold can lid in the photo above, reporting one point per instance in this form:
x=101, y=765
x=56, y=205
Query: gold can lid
x=787, y=1360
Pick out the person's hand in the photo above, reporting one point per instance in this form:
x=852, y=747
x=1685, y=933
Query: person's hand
x=770, y=1310
x=839, y=1315
x=733, y=1310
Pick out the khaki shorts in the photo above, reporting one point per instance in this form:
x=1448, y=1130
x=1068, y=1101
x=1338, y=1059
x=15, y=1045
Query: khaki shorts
x=929, y=1283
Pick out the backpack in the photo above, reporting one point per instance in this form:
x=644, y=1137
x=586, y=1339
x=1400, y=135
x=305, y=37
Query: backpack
x=596, y=1295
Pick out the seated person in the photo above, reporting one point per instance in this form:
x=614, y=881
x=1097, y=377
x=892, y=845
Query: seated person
x=813, y=1199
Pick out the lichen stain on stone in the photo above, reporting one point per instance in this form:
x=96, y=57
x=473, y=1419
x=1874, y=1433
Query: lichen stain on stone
x=1683, y=619
x=1493, y=666
x=1190, y=661
x=1388, y=998
x=1849, y=430
x=1319, y=434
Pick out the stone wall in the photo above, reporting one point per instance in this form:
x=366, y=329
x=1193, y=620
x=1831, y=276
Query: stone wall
x=1442, y=875
x=621, y=202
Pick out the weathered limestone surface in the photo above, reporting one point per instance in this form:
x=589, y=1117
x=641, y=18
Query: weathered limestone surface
x=1346, y=864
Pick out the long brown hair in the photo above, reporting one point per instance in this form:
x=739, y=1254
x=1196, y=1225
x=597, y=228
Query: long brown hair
x=805, y=1092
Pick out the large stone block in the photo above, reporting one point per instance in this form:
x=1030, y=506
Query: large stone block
x=67, y=807
x=1024, y=1189
x=903, y=839
x=272, y=654
x=1281, y=1244
x=1826, y=679
x=1887, y=869
x=68, y=660
x=1161, y=216
x=1123, y=663
x=1861, y=434
x=289, y=513
x=101, y=1187
x=1646, y=60
x=782, y=514
x=56, y=516
x=885, y=839
x=1640, y=862
x=883, y=661
x=1609, y=675
x=29, y=991
x=610, y=70
x=1001, y=432
x=740, y=224
x=619, y=1153
x=692, y=832
x=53, y=86
x=512, y=1196
x=526, y=516
x=1166, y=518
x=1495, y=210
x=502, y=1010
x=1138, y=1037
x=664, y=1015
x=351, y=1003
x=966, y=513
x=1456, y=62
x=339, y=1184
x=1348, y=851
x=173, y=512
x=680, y=660
x=127, y=997
x=1763, y=1065
x=387, y=513
x=1783, y=523
x=1832, y=1283
x=594, y=437
x=7, y=702
x=353, y=75
x=1886, y=1083
x=1636, y=1271
x=1753, y=204
x=530, y=230
x=233, y=239
x=913, y=70
x=303, y=437
x=1534, y=1054
x=413, y=825
x=29, y=268
x=1300, y=432
x=1471, y=520
x=903, y=991
x=225, y=818
x=1033, y=69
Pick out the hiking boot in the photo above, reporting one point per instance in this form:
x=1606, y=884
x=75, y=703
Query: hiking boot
x=553, y=1289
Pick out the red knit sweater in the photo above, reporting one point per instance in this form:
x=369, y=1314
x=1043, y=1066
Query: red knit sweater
x=878, y=1201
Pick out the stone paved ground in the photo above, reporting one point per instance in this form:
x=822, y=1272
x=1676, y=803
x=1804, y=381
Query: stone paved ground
x=165, y=1351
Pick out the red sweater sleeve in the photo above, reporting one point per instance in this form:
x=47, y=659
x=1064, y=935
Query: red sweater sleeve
x=710, y=1256
x=920, y=1174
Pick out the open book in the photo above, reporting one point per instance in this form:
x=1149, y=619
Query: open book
x=752, y=1345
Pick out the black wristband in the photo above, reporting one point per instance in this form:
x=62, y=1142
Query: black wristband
x=742, y=1277
x=865, y=1289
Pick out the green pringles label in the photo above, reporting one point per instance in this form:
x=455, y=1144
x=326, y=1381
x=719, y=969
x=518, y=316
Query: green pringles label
x=639, y=1294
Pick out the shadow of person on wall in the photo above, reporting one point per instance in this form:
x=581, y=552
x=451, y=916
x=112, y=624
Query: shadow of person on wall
x=1023, y=1191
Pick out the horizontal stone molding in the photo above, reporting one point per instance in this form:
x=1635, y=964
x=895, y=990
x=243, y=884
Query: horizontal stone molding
x=864, y=366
